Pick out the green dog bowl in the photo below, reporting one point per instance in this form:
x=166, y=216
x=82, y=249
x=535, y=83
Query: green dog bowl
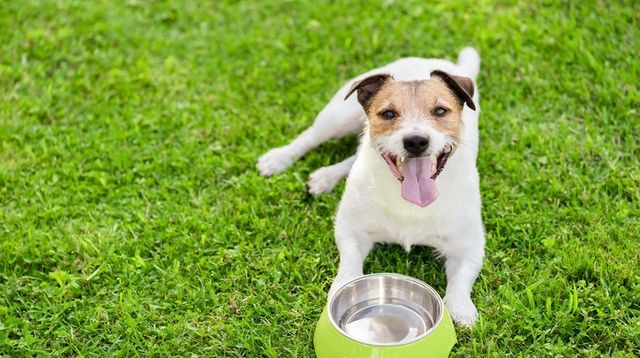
x=384, y=316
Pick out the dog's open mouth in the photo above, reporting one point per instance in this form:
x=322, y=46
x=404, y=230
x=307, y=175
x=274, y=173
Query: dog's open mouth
x=436, y=163
x=417, y=175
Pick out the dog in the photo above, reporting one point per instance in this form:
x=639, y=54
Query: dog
x=413, y=180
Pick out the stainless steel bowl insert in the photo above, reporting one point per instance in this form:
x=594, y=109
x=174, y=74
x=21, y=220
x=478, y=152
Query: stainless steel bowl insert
x=386, y=309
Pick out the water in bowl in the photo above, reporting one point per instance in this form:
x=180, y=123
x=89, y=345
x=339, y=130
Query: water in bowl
x=386, y=321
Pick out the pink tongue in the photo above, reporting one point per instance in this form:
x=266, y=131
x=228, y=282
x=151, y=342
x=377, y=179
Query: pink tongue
x=417, y=186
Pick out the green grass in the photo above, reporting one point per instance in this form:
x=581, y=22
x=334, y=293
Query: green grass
x=133, y=220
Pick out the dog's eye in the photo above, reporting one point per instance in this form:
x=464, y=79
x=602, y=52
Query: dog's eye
x=388, y=114
x=440, y=111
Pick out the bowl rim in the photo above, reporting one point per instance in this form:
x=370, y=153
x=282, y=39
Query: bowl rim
x=436, y=324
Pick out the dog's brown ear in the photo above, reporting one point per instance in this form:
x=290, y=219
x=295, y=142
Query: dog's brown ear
x=367, y=88
x=461, y=86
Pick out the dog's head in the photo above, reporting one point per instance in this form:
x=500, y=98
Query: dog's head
x=415, y=126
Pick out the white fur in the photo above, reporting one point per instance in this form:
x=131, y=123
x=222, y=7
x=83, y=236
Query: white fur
x=324, y=179
x=372, y=209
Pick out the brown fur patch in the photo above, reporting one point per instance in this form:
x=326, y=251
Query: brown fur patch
x=415, y=99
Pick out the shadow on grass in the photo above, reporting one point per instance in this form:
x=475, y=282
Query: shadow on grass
x=331, y=152
x=420, y=263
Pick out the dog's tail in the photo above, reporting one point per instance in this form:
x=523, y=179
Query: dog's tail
x=469, y=60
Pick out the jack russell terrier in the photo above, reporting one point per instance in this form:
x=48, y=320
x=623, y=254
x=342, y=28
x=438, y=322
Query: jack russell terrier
x=413, y=180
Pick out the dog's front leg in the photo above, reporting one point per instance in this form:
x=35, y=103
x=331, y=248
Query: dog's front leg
x=354, y=248
x=462, y=267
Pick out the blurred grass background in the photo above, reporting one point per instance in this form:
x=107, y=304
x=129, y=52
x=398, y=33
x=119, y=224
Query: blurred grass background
x=133, y=220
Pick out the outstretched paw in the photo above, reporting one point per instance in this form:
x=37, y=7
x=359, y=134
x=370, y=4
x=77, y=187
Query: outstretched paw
x=274, y=161
x=322, y=181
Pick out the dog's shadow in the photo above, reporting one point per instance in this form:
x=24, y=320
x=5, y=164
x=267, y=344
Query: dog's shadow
x=331, y=152
x=421, y=263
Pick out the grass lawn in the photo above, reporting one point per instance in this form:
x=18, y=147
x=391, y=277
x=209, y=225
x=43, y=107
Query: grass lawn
x=133, y=220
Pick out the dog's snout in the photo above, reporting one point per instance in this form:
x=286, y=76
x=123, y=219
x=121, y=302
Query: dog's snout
x=415, y=145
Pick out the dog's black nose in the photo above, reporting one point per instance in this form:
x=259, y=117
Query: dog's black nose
x=415, y=145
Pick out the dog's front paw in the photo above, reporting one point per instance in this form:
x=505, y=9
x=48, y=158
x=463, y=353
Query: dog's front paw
x=334, y=288
x=322, y=181
x=462, y=310
x=274, y=161
x=340, y=281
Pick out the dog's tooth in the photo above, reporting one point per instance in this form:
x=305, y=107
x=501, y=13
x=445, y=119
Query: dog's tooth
x=399, y=164
x=434, y=163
